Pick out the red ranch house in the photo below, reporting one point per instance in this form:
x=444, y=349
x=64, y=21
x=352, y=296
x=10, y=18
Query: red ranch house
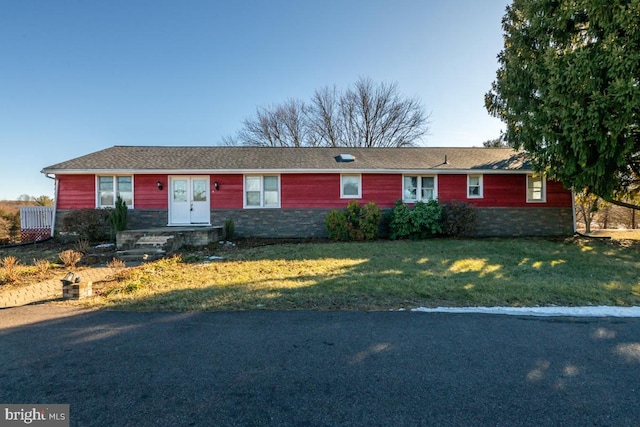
x=287, y=192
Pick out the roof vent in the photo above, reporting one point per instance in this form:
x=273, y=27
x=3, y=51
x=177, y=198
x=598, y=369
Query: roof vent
x=344, y=158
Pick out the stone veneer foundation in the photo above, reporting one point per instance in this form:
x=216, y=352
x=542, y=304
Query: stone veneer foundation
x=309, y=223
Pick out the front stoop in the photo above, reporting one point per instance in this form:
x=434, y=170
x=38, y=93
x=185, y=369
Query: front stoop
x=148, y=248
x=151, y=244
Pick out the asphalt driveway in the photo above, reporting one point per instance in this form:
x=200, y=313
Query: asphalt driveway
x=306, y=368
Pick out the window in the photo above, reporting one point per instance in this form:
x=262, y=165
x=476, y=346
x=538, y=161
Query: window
x=536, y=188
x=418, y=188
x=474, y=186
x=350, y=186
x=110, y=187
x=262, y=191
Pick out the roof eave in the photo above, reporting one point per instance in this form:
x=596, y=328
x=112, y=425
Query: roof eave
x=279, y=171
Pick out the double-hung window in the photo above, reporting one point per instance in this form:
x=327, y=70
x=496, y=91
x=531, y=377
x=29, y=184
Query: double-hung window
x=415, y=188
x=536, y=189
x=110, y=187
x=350, y=186
x=474, y=186
x=262, y=191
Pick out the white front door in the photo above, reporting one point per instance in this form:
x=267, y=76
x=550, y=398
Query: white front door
x=189, y=200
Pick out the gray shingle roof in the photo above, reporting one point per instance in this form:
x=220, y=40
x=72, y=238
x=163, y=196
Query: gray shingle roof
x=141, y=159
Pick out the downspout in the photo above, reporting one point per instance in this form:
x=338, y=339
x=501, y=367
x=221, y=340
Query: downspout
x=55, y=202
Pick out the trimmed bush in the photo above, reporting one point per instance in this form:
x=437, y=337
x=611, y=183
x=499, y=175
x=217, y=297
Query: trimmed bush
x=336, y=223
x=354, y=223
x=87, y=224
x=370, y=218
x=418, y=223
x=400, y=223
x=458, y=218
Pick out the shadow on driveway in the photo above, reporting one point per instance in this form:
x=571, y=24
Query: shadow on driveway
x=320, y=368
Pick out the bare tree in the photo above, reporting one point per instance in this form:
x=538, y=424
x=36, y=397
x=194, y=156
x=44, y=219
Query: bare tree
x=587, y=205
x=325, y=118
x=380, y=117
x=366, y=115
x=280, y=126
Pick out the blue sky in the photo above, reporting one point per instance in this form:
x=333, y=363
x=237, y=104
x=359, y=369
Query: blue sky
x=77, y=76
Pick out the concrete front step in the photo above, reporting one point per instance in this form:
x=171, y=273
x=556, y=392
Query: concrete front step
x=173, y=237
x=148, y=248
x=141, y=254
x=155, y=241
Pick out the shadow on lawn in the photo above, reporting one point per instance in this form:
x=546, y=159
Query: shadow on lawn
x=408, y=274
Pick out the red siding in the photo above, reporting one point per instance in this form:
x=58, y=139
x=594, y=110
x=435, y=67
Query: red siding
x=146, y=194
x=557, y=195
x=318, y=191
x=230, y=193
x=500, y=191
x=76, y=191
x=323, y=190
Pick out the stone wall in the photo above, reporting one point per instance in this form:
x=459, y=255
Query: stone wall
x=302, y=223
x=295, y=223
x=532, y=221
x=147, y=218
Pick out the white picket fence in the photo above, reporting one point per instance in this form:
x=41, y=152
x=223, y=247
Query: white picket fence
x=36, y=223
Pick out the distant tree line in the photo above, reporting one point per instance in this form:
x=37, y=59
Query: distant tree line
x=10, y=215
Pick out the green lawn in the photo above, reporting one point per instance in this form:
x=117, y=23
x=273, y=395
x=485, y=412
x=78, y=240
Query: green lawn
x=385, y=275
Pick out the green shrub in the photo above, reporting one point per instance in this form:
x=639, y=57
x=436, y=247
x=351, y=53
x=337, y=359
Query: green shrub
x=87, y=224
x=9, y=226
x=354, y=223
x=229, y=229
x=425, y=218
x=370, y=221
x=400, y=223
x=418, y=223
x=458, y=218
x=336, y=223
x=118, y=216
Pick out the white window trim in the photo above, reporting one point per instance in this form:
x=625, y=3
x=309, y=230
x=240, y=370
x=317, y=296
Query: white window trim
x=480, y=183
x=116, y=192
x=350, y=196
x=544, y=189
x=419, y=188
x=262, y=205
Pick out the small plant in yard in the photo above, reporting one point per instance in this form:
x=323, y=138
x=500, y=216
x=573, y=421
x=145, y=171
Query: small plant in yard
x=229, y=229
x=42, y=266
x=82, y=246
x=9, y=265
x=118, y=217
x=70, y=258
x=118, y=269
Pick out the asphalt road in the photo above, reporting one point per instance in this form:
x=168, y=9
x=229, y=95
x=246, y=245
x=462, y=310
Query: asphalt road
x=306, y=368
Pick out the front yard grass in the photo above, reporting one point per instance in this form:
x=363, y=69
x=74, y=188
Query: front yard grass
x=383, y=275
